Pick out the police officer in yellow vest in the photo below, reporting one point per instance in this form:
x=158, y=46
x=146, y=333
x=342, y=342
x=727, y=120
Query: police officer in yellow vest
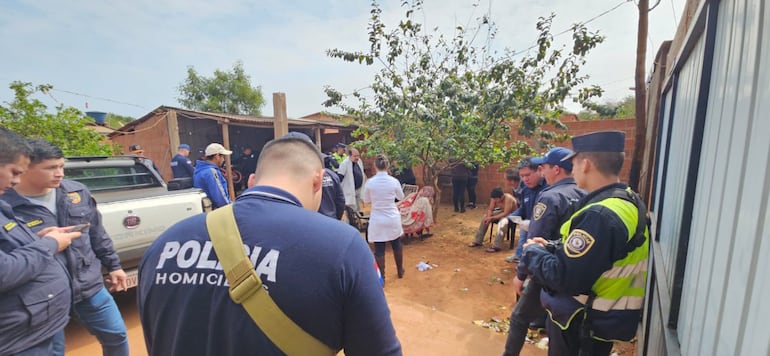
x=594, y=279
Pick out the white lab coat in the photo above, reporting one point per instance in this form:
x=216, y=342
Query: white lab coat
x=384, y=219
x=348, y=184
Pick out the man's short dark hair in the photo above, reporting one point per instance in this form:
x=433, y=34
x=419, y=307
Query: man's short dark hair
x=512, y=174
x=527, y=163
x=43, y=150
x=497, y=193
x=608, y=163
x=12, y=146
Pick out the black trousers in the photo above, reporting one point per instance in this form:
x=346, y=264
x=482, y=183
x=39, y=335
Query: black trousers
x=458, y=192
x=471, y=186
x=567, y=342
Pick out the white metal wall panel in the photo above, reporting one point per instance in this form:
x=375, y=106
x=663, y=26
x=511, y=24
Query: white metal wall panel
x=677, y=161
x=730, y=210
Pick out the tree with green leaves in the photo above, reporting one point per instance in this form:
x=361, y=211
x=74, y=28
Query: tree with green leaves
x=116, y=121
x=225, y=92
x=66, y=127
x=620, y=109
x=439, y=101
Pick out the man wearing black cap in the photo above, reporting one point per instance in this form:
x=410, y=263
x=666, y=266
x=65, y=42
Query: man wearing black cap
x=552, y=207
x=594, y=279
x=181, y=166
x=138, y=150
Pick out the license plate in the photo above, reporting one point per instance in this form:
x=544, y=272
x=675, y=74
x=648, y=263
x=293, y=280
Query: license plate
x=132, y=278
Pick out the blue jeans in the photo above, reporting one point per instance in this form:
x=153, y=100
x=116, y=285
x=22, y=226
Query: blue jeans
x=522, y=240
x=101, y=317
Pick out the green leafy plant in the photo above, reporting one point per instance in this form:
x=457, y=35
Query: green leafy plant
x=225, y=92
x=440, y=101
x=65, y=127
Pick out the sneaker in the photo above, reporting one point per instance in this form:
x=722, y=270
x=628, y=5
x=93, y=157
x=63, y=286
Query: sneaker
x=512, y=259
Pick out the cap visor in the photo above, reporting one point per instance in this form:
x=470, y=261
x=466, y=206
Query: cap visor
x=538, y=160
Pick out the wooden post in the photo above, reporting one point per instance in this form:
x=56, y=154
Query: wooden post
x=280, y=121
x=172, y=125
x=317, y=131
x=228, y=163
x=641, y=96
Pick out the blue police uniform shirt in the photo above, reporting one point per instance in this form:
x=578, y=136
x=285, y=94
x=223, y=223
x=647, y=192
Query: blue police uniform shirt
x=332, y=197
x=553, y=206
x=319, y=271
x=528, y=196
x=181, y=167
x=34, y=287
x=564, y=277
x=86, y=255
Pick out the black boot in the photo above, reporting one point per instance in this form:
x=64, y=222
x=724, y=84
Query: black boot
x=399, y=257
x=381, y=264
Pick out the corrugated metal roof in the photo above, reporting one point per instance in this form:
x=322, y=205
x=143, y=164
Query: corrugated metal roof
x=245, y=120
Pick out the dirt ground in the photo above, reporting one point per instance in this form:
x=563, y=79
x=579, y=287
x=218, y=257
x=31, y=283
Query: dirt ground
x=467, y=283
x=433, y=311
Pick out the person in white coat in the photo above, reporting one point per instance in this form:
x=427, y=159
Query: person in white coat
x=353, y=178
x=381, y=191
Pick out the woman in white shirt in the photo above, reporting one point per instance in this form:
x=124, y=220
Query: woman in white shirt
x=381, y=191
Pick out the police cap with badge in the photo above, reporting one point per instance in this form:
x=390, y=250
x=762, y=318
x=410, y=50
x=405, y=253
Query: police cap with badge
x=600, y=141
x=555, y=157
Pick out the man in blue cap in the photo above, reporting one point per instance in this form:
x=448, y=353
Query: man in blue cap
x=181, y=165
x=552, y=207
x=594, y=278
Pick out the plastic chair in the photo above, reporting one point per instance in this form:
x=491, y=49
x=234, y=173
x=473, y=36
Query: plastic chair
x=358, y=220
x=509, y=234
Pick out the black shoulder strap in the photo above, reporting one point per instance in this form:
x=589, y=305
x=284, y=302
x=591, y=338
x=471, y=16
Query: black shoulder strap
x=643, y=219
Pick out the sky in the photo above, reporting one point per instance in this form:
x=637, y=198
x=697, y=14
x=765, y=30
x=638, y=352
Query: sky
x=129, y=57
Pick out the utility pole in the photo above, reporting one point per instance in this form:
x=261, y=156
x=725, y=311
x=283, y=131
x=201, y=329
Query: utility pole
x=641, y=95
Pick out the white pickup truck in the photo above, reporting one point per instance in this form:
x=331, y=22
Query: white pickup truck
x=135, y=203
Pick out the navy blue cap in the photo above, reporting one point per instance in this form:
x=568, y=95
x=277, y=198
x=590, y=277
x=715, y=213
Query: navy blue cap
x=600, y=141
x=555, y=157
x=339, y=145
x=184, y=146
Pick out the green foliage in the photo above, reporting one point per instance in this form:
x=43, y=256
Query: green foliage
x=66, y=128
x=116, y=121
x=225, y=92
x=436, y=98
x=621, y=109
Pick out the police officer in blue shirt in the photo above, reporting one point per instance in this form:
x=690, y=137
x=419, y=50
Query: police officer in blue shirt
x=552, y=207
x=43, y=198
x=35, y=293
x=181, y=166
x=319, y=271
x=532, y=183
x=594, y=277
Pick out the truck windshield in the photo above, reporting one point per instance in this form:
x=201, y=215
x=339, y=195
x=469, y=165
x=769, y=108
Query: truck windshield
x=112, y=178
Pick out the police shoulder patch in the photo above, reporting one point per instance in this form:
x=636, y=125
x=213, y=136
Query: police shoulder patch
x=578, y=243
x=74, y=197
x=539, y=210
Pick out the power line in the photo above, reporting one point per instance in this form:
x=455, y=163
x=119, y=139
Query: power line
x=100, y=98
x=572, y=27
x=676, y=22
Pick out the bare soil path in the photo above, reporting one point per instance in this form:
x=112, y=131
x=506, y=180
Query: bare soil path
x=433, y=311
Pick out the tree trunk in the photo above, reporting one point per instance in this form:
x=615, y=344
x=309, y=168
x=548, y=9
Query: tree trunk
x=430, y=177
x=641, y=96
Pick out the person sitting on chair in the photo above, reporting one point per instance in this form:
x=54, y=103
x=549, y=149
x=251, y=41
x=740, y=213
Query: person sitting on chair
x=500, y=205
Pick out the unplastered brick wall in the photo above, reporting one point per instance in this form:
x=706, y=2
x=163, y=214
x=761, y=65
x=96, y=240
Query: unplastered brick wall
x=493, y=175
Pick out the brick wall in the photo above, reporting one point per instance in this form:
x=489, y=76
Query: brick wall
x=493, y=175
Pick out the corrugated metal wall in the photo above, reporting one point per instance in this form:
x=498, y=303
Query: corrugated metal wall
x=715, y=298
